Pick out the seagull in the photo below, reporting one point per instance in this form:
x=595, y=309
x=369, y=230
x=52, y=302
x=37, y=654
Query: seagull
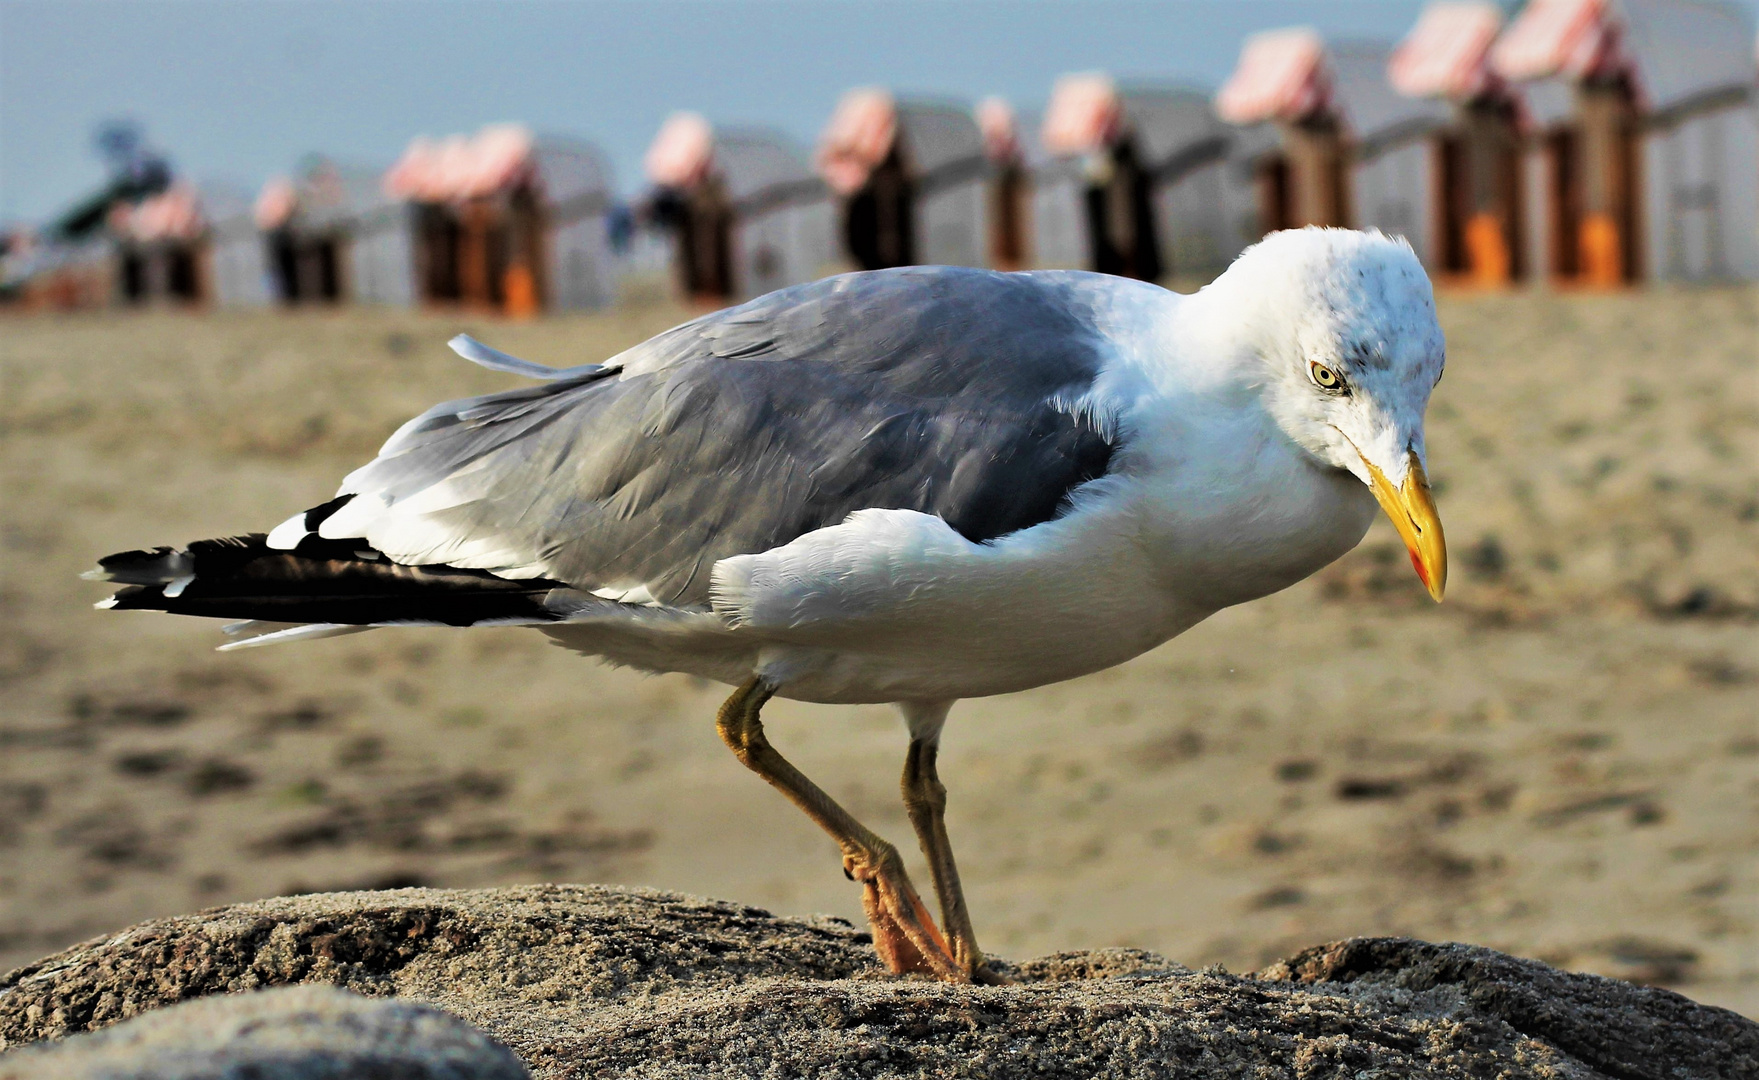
x=904, y=486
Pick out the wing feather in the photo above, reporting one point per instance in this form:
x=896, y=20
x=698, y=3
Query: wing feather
x=936, y=389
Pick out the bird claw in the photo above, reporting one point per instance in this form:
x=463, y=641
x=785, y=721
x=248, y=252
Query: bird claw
x=904, y=934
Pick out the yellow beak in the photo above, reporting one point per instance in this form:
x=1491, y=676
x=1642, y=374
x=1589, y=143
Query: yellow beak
x=1413, y=514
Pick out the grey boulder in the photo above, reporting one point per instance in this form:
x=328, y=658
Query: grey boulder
x=290, y=1033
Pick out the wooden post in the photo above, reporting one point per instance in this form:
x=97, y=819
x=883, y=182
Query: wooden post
x=1608, y=199
x=1491, y=193
x=1319, y=188
x=473, y=254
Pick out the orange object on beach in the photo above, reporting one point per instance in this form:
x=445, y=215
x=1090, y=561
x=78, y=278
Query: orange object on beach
x=1487, y=251
x=519, y=288
x=1603, y=260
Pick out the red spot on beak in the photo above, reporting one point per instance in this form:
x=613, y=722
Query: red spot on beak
x=1417, y=565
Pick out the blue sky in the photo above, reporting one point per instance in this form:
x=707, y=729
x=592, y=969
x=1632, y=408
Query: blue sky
x=240, y=90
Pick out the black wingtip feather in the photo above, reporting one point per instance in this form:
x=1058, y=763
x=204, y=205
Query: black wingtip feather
x=320, y=581
x=160, y=566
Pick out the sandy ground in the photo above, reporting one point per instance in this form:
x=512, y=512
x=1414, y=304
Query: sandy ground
x=1562, y=761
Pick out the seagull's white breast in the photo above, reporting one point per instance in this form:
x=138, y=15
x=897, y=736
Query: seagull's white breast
x=1233, y=510
x=894, y=605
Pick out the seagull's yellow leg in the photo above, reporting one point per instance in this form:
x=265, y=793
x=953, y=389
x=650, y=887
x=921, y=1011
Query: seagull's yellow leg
x=925, y=799
x=903, y=932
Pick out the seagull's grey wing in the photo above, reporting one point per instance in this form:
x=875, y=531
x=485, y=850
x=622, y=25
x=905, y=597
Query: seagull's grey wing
x=947, y=391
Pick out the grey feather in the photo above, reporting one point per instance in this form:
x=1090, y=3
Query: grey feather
x=943, y=390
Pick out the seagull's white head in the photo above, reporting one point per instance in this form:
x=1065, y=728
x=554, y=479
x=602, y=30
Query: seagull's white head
x=1343, y=324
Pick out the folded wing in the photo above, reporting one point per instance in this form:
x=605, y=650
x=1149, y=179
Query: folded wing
x=960, y=393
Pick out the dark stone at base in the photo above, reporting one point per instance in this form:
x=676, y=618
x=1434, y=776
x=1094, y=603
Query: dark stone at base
x=1619, y=1029
x=582, y=980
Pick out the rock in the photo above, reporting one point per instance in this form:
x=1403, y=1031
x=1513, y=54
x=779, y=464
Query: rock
x=288, y=1033
x=589, y=981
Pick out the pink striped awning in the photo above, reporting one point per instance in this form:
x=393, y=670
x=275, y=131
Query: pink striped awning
x=173, y=214
x=275, y=204
x=1083, y=116
x=1001, y=135
x=858, y=138
x=1281, y=76
x=1447, y=54
x=683, y=151
x=459, y=167
x=1556, y=37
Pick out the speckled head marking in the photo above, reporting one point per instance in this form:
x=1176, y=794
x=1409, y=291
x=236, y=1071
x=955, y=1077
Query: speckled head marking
x=1342, y=327
x=1356, y=305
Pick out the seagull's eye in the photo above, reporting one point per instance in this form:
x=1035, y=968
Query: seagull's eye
x=1326, y=379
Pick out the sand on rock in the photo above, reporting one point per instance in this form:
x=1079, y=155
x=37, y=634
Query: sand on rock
x=596, y=981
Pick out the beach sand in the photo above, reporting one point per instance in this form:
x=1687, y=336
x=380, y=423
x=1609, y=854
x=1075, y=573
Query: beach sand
x=1561, y=761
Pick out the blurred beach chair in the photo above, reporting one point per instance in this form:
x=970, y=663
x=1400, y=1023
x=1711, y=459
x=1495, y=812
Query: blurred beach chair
x=743, y=212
